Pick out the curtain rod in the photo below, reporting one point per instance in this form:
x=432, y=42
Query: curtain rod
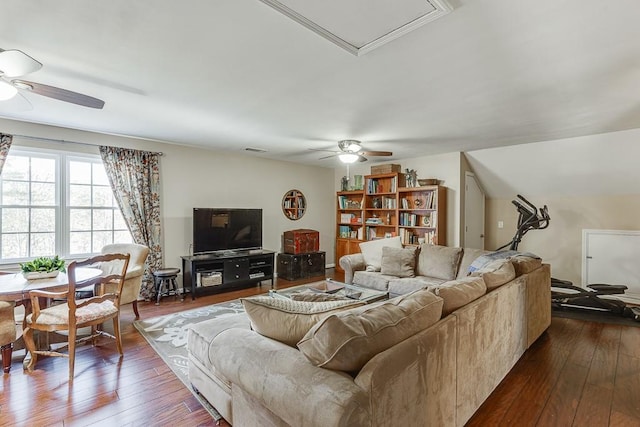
x=65, y=141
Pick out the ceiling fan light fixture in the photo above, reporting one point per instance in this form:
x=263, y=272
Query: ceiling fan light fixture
x=350, y=145
x=7, y=91
x=348, y=157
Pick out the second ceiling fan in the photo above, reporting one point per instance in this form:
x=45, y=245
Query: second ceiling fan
x=351, y=151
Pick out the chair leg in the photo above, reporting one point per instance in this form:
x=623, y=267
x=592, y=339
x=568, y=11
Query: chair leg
x=135, y=309
x=72, y=351
x=116, y=333
x=31, y=348
x=7, y=351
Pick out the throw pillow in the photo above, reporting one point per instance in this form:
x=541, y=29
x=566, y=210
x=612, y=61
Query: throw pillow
x=458, y=293
x=286, y=320
x=437, y=261
x=496, y=273
x=400, y=262
x=372, y=251
x=346, y=341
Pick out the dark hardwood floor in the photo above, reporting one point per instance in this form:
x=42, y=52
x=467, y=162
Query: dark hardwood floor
x=577, y=374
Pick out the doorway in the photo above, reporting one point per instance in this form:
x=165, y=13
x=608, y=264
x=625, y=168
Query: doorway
x=473, y=212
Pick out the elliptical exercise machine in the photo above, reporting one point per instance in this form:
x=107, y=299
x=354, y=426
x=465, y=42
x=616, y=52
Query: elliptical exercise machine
x=529, y=218
x=563, y=292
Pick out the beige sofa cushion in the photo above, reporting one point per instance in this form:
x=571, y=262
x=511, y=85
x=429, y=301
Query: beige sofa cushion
x=407, y=285
x=400, y=262
x=468, y=256
x=286, y=320
x=372, y=280
x=496, y=273
x=525, y=264
x=437, y=261
x=346, y=341
x=372, y=251
x=458, y=293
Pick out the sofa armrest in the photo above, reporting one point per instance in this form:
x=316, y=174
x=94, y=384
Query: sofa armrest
x=350, y=264
x=281, y=379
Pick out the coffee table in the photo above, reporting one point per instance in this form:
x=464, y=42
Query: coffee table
x=354, y=292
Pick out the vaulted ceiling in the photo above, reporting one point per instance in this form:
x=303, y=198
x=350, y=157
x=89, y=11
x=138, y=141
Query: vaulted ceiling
x=231, y=74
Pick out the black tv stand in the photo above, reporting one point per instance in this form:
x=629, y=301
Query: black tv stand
x=226, y=270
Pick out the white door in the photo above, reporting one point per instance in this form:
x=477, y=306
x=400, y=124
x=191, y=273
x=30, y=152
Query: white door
x=473, y=212
x=612, y=257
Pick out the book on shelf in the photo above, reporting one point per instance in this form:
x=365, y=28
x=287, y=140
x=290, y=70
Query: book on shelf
x=344, y=231
x=346, y=218
x=372, y=233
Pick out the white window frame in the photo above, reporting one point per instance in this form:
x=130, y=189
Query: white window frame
x=62, y=208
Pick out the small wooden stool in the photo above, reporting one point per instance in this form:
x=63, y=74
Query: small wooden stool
x=164, y=279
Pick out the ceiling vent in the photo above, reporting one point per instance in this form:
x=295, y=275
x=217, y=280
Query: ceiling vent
x=360, y=26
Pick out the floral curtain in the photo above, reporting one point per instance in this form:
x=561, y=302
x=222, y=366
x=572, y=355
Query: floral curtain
x=5, y=144
x=135, y=179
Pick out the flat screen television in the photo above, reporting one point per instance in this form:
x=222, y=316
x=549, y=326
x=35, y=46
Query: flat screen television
x=226, y=229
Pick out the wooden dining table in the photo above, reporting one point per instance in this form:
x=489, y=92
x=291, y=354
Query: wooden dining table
x=14, y=287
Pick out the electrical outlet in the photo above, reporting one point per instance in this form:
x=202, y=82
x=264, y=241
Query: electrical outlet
x=500, y=224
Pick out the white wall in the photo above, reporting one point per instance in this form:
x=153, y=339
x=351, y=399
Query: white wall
x=445, y=167
x=590, y=182
x=192, y=177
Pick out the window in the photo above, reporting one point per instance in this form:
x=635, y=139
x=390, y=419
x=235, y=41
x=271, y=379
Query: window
x=56, y=203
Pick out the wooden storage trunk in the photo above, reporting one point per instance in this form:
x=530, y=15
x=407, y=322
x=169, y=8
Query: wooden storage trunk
x=303, y=266
x=388, y=168
x=301, y=241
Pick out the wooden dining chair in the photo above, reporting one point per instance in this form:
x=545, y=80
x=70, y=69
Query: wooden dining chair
x=78, y=313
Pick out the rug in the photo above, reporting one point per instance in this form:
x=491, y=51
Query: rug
x=168, y=336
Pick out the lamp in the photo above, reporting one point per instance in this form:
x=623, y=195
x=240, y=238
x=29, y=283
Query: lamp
x=348, y=157
x=7, y=91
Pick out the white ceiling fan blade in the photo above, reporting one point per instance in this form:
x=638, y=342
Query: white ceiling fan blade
x=59, y=94
x=14, y=63
x=323, y=150
x=327, y=157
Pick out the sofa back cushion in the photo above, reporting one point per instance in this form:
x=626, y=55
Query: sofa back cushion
x=372, y=251
x=399, y=262
x=496, y=273
x=437, y=261
x=347, y=340
x=468, y=256
x=524, y=264
x=458, y=293
x=287, y=320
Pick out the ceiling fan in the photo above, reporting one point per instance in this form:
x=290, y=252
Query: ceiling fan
x=15, y=63
x=351, y=151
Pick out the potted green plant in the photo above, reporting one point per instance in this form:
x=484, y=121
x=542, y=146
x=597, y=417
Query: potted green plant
x=42, y=267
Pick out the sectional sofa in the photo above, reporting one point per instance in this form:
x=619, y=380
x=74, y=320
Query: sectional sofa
x=427, y=357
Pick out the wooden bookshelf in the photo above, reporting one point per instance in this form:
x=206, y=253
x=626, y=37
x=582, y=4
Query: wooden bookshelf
x=386, y=208
x=349, y=223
